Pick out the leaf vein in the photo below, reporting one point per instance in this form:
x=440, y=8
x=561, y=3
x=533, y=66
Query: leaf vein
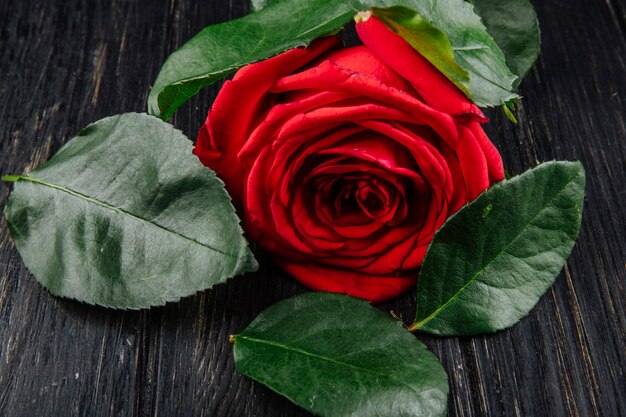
x=420, y=323
x=119, y=210
x=331, y=360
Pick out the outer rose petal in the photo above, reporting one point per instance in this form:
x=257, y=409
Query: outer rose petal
x=370, y=287
x=473, y=164
x=361, y=60
x=431, y=84
x=328, y=76
x=494, y=161
x=238, y=108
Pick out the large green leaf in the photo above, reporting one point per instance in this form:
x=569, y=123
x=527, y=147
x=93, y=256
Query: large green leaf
x=125, y=216
x=284, y=24
x=337, y=356
x=514, y=26
x=489, y=264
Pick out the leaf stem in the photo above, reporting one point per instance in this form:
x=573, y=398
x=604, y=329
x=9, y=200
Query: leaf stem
x=414, y=327
x=11, y=178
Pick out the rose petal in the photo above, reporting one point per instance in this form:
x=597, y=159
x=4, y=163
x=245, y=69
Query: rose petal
x=473, y=164
x=376, y=148
x=494, y=160
x=427, y=80
x=428, y=159
x=459, y=195
x=370, y=287
x=362, y=60
x=265, y=133
x=239, y=105
x=328, y=76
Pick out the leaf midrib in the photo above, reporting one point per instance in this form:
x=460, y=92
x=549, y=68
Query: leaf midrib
x=117, y=210
x=234, y=67
x=314, y=355
x=327, y=359
x=421, y=323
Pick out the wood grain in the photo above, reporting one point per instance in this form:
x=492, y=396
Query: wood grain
x=66, y=63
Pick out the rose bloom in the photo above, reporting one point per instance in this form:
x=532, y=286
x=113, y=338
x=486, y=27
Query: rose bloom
x=347, y=160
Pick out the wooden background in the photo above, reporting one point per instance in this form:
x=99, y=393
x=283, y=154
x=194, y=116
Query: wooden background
x=67, y=63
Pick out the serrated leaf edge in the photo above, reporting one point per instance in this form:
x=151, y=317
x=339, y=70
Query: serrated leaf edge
x=249, y=259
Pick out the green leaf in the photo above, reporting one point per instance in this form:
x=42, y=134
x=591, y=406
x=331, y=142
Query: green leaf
x=338, y=356
x=221, y=49
x=514, y=26
x=489, y=264
x=125, y=216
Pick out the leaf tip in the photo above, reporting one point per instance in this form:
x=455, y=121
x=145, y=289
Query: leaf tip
x=232, y=338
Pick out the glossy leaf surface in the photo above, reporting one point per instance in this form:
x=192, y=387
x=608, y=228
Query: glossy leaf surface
x=337, y=356
x=489, y=264
x=125, y=216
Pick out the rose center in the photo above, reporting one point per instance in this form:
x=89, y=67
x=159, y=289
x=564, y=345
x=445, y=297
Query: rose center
x=357, y=198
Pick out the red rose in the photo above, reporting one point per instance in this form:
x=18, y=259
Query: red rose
x=347, y=160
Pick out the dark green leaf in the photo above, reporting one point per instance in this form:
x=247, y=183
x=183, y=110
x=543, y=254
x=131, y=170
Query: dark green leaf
x=338, y=356
x=490, y=263
x=125, y=216
x=221, y=49
x=514, y=26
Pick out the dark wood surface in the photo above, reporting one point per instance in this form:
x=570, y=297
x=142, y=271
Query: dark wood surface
x=66, y=63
